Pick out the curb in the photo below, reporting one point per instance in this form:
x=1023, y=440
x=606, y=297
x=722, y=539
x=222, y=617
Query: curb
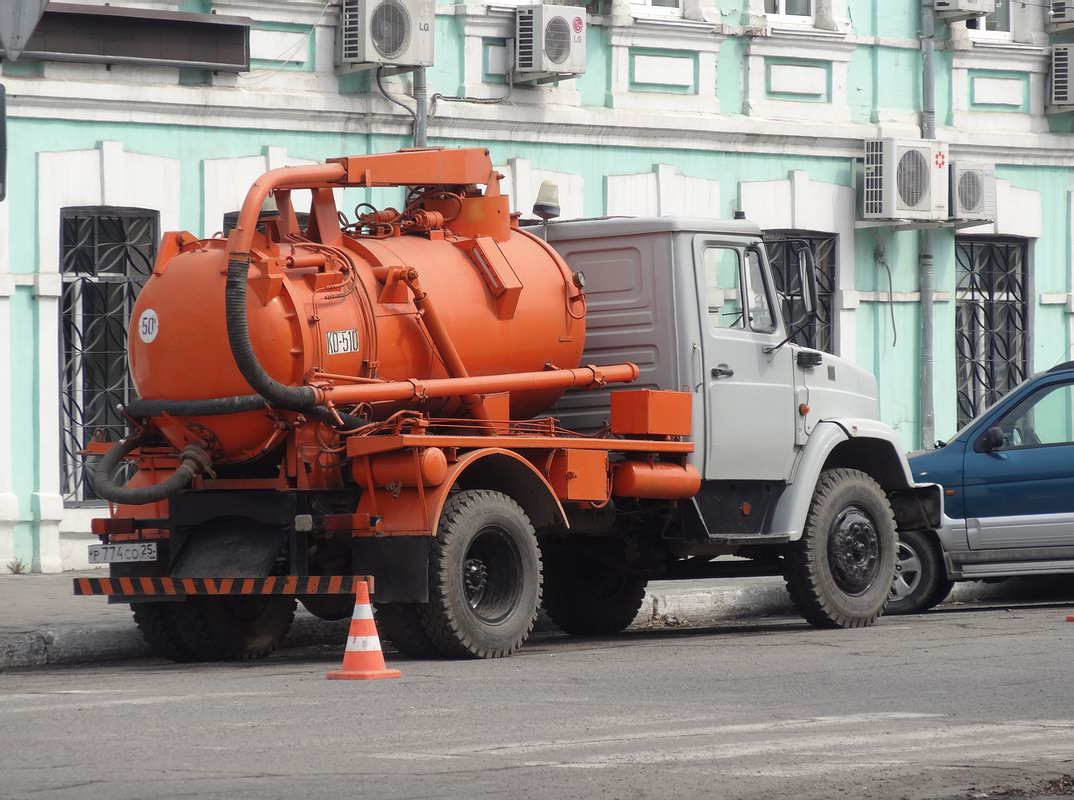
x=662, y=608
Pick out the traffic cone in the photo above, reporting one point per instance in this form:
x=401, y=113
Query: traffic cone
x=363, y=659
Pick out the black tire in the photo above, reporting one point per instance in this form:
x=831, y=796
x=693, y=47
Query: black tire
x=158, y=627
x=839, y=573
x=921, y=580
x=484, y=577
x=329, y=607
x=399, y=624
x=216, y=628
x=584, y=597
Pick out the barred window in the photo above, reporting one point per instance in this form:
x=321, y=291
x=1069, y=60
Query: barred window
x=782, y=255
x=107, y=255
x=991, y=314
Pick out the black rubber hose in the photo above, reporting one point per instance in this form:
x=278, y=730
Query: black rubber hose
x=144, y=409
x=194, y=461
x=296, y=398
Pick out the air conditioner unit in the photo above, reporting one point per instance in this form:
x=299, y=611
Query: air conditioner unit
x=1062, y=97
x=955, y=10
x=973, y=191
x=549, y=42
x=905, y=179
x=375, y=33
x=1061, y=12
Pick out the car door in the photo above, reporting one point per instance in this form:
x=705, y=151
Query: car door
x=749, y=394
x=1021, y=493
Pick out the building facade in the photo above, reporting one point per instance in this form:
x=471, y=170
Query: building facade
x=699, y=107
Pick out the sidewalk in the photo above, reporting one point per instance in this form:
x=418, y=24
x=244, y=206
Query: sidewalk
x=42, y=622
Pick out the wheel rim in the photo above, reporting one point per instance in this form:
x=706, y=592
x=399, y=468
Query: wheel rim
x=854, y=550
x=907, y=572
x=492, y=575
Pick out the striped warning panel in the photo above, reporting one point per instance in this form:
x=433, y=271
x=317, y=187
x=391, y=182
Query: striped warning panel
x=184, y=587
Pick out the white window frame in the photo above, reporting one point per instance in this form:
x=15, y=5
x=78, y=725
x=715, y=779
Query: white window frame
x=793, y=20
x=979, y=34
x=645, y=8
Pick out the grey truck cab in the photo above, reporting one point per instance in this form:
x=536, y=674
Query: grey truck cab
x=800, y=476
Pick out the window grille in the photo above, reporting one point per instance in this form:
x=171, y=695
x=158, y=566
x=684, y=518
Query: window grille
x=106, y=257
x=991, y=315
x=781, y=253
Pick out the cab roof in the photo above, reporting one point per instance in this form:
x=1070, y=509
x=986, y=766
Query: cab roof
x=631, y=226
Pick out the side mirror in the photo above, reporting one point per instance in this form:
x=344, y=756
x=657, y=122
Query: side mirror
x=807, y=275
x=992, y=440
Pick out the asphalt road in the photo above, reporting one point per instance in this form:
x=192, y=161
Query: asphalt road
x=935, y=706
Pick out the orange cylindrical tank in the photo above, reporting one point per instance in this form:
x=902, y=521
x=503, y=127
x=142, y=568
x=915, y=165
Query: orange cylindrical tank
x=400, y=468
x=656, y=481
x=309, y=319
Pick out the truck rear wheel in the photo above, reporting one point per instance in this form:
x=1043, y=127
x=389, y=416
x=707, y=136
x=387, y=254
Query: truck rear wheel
x=215, y=628
x=839, y=573
x=400, y=624
x=583, y=596
x=484, y=577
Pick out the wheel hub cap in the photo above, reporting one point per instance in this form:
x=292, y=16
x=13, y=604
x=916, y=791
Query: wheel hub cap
x=854, y=550
x=476, y=577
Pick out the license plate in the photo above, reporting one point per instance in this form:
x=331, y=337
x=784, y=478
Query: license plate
x=122, y=553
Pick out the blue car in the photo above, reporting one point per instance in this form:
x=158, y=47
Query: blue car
x=1008, y=480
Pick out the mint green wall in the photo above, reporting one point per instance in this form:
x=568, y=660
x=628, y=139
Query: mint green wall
x=883, y=82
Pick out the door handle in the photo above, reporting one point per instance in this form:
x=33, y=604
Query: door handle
x=722, y=371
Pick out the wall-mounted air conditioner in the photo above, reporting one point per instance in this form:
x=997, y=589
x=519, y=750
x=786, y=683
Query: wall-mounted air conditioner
x=375, y=33
x=905, y=179
x=955, y=10
x=973, y=191
x=1061, y=12
x=549, y=43
x=1061, y=97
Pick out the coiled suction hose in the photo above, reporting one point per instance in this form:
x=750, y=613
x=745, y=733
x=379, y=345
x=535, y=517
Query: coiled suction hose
x=195, y=460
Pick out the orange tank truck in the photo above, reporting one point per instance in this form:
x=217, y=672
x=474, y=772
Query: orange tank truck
x=363, y=398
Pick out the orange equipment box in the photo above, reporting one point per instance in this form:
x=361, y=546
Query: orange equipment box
x=580, y=475
x=647, y=412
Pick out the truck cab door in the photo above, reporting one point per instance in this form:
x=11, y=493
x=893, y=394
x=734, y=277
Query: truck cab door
x=749, y=397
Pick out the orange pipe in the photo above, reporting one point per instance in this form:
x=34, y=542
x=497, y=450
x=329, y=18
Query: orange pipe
x=316, y=176
x=657, y=481
x=474, y=403
x=483, y=384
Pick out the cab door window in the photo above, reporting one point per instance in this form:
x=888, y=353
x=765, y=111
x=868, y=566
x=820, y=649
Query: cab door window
x=762, y=318
x=723, y=287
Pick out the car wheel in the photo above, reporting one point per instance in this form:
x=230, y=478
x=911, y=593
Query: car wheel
x=920, y=578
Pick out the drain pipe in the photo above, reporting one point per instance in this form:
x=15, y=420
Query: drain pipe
x=926, y=265
x=421, y=108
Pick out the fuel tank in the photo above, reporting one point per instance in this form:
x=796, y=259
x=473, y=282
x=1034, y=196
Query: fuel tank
x=336, y=314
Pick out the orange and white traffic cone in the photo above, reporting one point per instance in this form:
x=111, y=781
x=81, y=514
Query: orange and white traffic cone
x=363, y=659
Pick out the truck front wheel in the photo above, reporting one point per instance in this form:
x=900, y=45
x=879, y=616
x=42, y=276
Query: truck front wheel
x=839, y=573
x=484, y=577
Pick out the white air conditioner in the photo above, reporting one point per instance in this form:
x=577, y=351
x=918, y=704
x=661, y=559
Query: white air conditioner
x=973, y=191
x=905, y=179
x=955, y=10
x=1061, y=12
x=1062, y=97
x=549, y=42
x=376, y=33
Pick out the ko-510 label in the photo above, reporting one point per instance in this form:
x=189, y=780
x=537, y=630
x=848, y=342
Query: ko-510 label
x=342, y=342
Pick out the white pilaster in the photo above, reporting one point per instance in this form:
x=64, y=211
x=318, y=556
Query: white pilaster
x=47, y=501
x=9, y=503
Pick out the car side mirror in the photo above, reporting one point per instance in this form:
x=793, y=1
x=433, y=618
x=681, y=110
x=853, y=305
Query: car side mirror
x=807, y=274
x=993, y=439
